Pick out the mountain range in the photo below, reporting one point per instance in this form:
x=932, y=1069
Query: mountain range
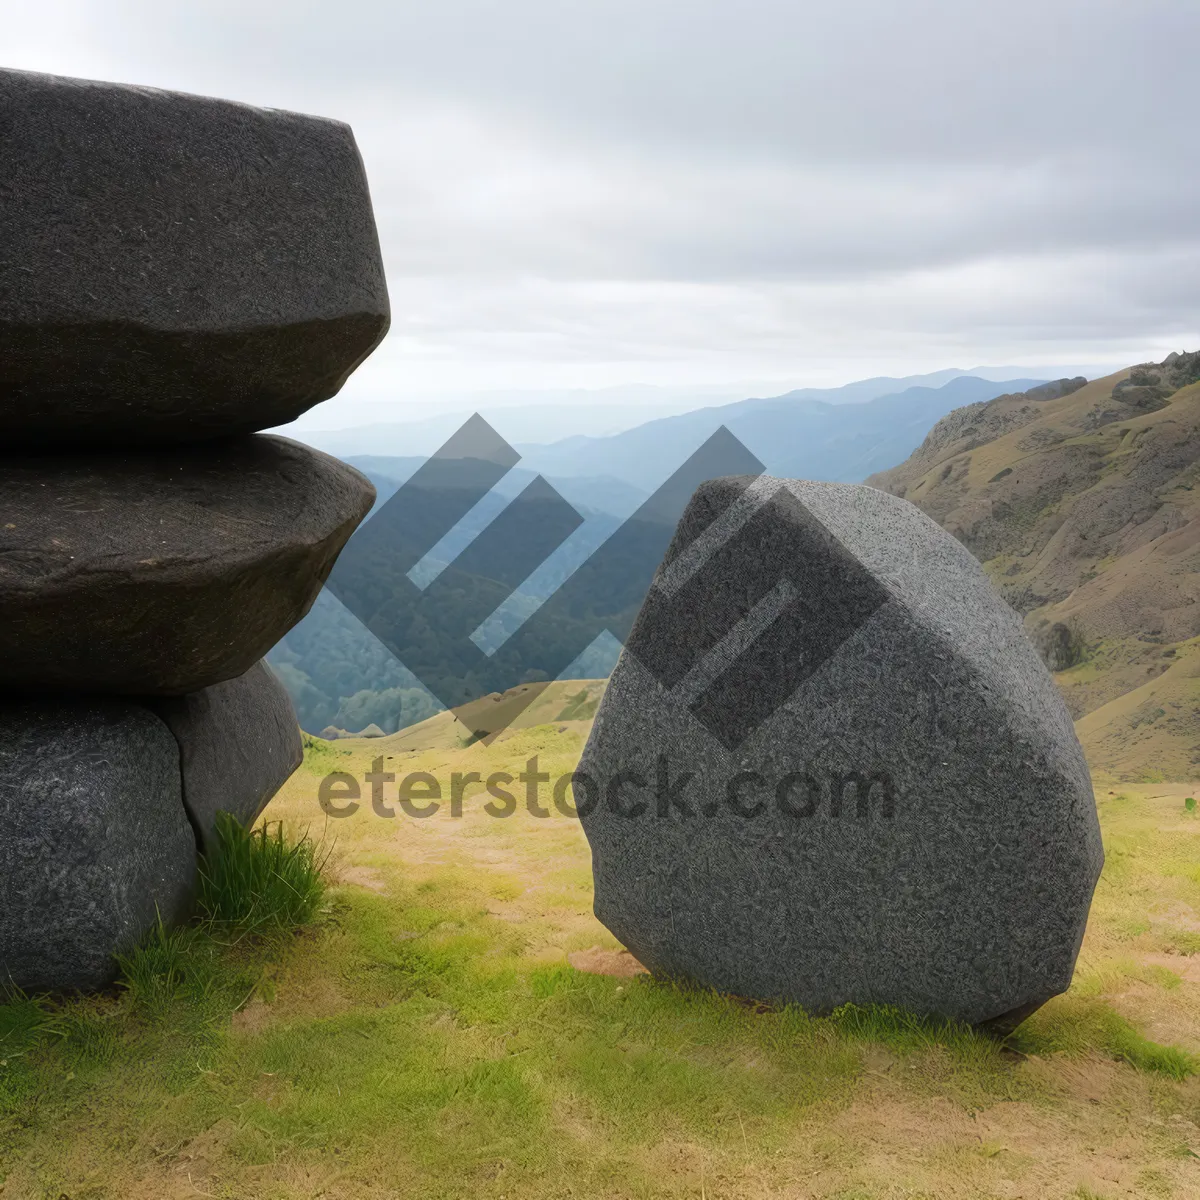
x=841, y=434
x=544, y=417
x=340, y=674
x=795, y=435
x=1082, y=501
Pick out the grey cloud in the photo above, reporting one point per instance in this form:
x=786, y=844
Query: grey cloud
x=852, y=80
x=656, y=181
x=670, y=221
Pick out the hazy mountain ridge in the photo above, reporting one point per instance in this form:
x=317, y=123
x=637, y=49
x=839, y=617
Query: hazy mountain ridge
x=1083, y=508
x=564, y=415
x=794, y=437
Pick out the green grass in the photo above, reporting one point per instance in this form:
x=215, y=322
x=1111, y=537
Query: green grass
x=579, y=707
x=258, y=882
x=1079, y=1025
x=158, y=1034
x=454, y=1056
x=21, y=1021
x=447, y=1057
x=322, y=757
x=448, y=1054
x=169, y=965
x=409, y=1042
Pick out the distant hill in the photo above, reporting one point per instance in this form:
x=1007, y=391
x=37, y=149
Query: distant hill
x=570, y=703
x=794, y=435
x=1082, y=502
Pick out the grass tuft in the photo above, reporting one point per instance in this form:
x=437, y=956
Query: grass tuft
x=23, y=1022
x=899, y=1029
x=169, y=965
x=258, y=882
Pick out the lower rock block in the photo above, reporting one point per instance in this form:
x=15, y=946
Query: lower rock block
x=238, y=743
x=95, y=844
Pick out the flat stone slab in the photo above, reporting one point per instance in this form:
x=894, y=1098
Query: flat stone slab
x=830, y=767
x=175, y=267
x=239, y=741
x=94, y=840
x=167, y=571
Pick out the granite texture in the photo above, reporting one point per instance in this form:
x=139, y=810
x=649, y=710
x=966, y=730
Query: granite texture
x=857, y=782
x=94, y=841
x=175, y=267
x=167, y=571
x=239, y=741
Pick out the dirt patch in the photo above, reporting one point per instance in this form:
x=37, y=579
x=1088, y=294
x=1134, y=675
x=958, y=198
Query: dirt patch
x=253, y=1017
x=1013, y=1149
x=598, y=961
x=1176, y=915
x=1186, y=966
x=506, y=912
x=364, y=877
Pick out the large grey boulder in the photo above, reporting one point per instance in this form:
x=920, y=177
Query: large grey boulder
x=239, y=741
x=175, y=267
x=164, y=572
x=94, y=841
x=857, y=782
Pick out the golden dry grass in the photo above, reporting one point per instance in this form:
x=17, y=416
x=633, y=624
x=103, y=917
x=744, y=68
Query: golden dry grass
x=1088, y=519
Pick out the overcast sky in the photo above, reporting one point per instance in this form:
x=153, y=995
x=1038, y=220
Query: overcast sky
x=586, y=193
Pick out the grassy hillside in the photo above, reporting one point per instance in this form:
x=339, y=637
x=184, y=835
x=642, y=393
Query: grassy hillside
x=1082, y=504
x=442, y=1032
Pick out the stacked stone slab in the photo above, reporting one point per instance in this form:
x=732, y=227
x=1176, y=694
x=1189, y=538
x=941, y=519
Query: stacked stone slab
x=178, y=273
x=830, y=768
